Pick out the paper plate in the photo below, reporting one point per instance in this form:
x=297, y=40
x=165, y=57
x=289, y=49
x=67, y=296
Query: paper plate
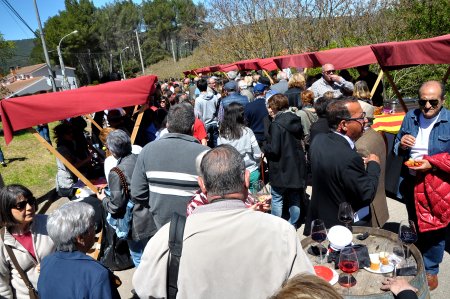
x=339, y=236
x=326, y=273
x=383, y=269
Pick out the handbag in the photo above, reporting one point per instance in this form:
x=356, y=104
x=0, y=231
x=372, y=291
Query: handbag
x=122, y=225
x=31, y=290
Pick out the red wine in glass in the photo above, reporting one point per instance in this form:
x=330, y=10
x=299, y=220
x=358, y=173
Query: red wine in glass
x=348, y=263
x=345, y=214
x=319, y=234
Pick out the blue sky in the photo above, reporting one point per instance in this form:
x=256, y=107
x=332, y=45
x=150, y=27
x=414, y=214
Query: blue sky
x=13, y=29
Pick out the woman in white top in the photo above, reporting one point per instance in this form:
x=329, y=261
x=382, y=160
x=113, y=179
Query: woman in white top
x=233, y=131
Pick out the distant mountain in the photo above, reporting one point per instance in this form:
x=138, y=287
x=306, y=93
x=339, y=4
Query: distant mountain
x=21, y=54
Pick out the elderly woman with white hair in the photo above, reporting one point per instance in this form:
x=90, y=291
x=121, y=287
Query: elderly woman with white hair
x=69, y=272
x=142, y=225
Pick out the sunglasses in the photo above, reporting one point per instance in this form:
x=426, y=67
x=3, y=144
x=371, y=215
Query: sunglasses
x=433, y=103
x=362, y=117
x=330, y=72
x=23, y=204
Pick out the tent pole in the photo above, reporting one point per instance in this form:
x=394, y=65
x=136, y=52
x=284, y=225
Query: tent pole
x=137, y=123
x=88, y=116
x=64, y=160
x=394, y=87
x=268, y=76
x=380, y=76
x=447, y=74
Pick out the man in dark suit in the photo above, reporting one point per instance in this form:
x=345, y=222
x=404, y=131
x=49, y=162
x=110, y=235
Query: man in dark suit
x=338, y=172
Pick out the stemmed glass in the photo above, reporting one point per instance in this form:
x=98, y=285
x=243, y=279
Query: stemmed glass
x=348, y=263
x=345, y=214
x=407, y=234
x=397, y=256
x=260, y=190
x=319, y=234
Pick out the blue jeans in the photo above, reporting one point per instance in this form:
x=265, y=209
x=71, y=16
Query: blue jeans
x=213, y=134
x=44, y=132
x=136, y=250
x=289, y=196
x=2, y=158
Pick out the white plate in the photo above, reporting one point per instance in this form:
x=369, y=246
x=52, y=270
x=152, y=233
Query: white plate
x=383, y=269
x=335, y=277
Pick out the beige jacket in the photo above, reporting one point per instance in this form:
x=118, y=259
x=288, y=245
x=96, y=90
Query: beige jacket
x=228, y=252
x=11, y=284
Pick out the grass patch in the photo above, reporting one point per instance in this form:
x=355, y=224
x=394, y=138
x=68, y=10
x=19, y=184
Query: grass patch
x=29, y=163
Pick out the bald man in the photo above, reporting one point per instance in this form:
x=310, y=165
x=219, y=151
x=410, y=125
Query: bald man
x=425, y=137
x=330, y=81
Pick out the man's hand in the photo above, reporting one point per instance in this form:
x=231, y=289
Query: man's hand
x=396, y=285
x=336, y=78
x=425, y=166
x=373, y=157
x=407, y=141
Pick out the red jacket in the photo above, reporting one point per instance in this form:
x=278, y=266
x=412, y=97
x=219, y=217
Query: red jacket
x=432, y=194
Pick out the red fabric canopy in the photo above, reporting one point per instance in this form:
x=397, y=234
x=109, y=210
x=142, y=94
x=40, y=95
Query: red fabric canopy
x=295, y=60
x=344, y=58
x=434, y=50
x=24, y=112
x=267, y=64
x=228, y=67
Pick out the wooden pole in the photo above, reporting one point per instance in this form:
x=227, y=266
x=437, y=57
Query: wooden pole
x=138, y=123
x=394, y=87
x=88, y=116
x=64, y=160
x=380, y=76
x=447, y=74
x=267, y=74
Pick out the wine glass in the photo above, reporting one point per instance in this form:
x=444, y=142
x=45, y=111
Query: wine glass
x=319, y=234
x=345, y=214
x=348, y=263
x=260, y=190
x=397, y=256
x=407, y=234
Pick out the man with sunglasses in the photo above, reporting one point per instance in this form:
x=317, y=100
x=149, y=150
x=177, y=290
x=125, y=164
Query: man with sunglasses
x=330, y=81
x=339, y=174
x=424, y=138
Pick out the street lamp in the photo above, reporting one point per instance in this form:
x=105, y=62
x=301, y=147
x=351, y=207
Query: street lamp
x=121, y=64
x=61, y=62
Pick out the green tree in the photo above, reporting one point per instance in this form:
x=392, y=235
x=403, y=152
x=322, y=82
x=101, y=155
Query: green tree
x=6, y=52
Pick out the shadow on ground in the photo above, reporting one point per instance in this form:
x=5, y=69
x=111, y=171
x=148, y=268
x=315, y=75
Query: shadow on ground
x=48, y=200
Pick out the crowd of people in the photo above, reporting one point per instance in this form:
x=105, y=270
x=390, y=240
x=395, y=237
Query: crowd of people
x=202, y=146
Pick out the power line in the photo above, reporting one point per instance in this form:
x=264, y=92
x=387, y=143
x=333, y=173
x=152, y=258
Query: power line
x=8, y=5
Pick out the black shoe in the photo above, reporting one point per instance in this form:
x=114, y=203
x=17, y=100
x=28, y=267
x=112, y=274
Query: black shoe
x=3, y=164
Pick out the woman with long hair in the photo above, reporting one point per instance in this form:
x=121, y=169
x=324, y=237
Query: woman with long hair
x=233, y=131
x=24, y=234
x=362, y=92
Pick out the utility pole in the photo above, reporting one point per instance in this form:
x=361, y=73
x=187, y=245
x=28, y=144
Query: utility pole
x=44, y=47
x=140, y=53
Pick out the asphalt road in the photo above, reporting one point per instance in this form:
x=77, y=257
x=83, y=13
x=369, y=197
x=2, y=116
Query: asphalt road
x=397, y=212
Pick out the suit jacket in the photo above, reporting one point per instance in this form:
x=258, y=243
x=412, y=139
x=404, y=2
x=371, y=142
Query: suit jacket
x=338, y=175
x=372, y=142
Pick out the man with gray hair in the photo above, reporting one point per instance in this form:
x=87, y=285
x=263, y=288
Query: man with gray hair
x=330, y=81
x=282, y=85
x=225, y=240
x=165, y=178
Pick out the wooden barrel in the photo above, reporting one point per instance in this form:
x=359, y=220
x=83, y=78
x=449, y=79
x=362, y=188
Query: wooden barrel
x=368, y=284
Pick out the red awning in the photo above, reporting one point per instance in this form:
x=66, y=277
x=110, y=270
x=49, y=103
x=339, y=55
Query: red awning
x=267, y=64
x=24, y=112
x=228, y=67
x=295, y=60
x=344, y=58
x=434, y=50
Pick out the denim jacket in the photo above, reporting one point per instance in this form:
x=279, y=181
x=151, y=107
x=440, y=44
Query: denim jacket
x=439, y=141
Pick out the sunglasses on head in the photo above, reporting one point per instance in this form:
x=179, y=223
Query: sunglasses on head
x=23, y=204
x=433, y=103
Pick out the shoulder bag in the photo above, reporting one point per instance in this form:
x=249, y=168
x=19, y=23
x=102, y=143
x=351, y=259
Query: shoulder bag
x=122, y=226
x=176, y=233
x=31, y=290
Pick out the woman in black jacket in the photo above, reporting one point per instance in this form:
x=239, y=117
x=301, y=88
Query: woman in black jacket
x=284, y=152
x=142, y=224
